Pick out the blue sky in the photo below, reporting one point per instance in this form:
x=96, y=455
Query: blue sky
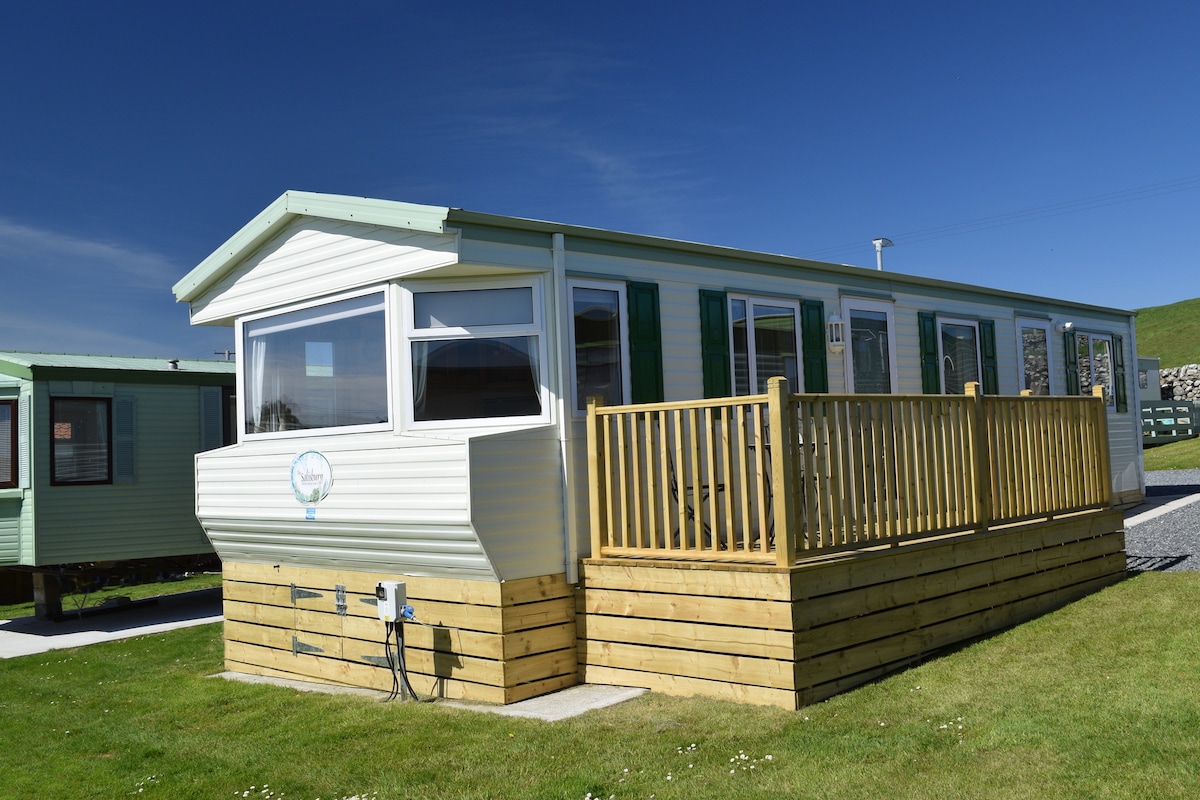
x=1043, y=147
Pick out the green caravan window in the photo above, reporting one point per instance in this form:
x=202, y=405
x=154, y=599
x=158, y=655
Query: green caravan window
x=764, y=342
x=323, y=366
x=80, y=440
x=599, y=339
x=9, y=464
x=477, y=353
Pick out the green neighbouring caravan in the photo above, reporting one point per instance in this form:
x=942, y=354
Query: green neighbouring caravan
x=96, y=456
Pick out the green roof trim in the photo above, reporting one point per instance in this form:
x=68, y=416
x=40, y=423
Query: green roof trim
x=126, y=369
x=440, y=219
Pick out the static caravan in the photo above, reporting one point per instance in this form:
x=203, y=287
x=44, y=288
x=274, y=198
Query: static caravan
x=431, y=395
x=96, y=458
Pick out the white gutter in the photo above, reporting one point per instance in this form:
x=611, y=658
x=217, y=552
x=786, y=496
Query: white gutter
x=566, y=415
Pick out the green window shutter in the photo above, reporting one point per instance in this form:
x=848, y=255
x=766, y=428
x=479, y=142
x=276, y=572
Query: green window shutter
x=210, y=418
x=812, y=340
x=714, y=343
x=931, y=380
x=645, y=343
x=1071, y=362
x=987, y=354
x=124, y=432
x=1119, y=374
x=23, y=443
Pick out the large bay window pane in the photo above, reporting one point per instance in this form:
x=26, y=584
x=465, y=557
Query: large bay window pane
x=597, y=331
x=476, y=378
x=322, y=367
x=80, y=440
x=960, y=356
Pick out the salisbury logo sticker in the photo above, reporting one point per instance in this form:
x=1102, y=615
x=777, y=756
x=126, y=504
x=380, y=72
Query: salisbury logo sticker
x=312, y=477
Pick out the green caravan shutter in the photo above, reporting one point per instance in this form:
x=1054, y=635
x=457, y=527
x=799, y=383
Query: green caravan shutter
x=1071, y=362
x=714, y=343
x=1119, y=374
x=931, y=381
x=987, y=352
x=124, y=440
x=211, y=433
x=645, y=343
x=23, y=442
x=812, y=340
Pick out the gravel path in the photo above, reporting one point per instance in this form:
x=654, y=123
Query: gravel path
x=1164, y=534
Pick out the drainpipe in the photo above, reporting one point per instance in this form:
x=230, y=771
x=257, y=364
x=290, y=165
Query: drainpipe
x=566, y=415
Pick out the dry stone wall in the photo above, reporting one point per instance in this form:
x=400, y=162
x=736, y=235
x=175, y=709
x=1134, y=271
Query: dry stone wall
x=1181, y=383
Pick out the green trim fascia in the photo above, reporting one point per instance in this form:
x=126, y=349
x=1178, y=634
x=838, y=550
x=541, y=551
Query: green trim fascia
x=293, y=204
x=483, y=233
x=134, y=377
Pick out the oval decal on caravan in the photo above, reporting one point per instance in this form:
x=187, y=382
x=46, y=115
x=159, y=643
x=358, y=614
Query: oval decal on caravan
x=312, y=477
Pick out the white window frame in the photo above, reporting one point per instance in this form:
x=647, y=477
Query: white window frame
x=751, y=348
x=411, y=334
x=886, y=307
x=1046, y=326
x=243, y=361
x=623, y=311
x=972, y=323
x=1110, y=390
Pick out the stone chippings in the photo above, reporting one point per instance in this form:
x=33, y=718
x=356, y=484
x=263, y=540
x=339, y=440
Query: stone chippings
x=1171, y=542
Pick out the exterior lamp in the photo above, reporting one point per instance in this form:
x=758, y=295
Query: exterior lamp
x=880, y=243
x=835, y=333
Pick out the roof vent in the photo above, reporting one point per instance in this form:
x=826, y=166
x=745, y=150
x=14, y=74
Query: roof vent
x=173, y=363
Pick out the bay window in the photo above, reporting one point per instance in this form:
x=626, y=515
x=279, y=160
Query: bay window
x=476, y=353
x=321, y=366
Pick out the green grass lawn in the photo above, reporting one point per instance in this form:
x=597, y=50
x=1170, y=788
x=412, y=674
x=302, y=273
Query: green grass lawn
x=1171, y=333
x=141, y=591
x=1184, y=454
x=1098, y=700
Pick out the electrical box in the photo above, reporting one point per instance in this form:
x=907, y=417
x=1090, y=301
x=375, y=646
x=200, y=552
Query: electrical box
x=390, y=598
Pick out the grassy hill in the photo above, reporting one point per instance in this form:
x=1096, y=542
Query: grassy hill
x=1170, y=333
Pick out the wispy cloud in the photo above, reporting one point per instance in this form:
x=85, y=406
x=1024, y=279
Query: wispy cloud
x=29, y=248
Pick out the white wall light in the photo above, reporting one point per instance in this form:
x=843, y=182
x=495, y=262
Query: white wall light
x=835, y=335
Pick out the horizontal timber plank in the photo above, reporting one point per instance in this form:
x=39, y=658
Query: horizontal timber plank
x=904, y=589
x=727, y=639
x=460, y=590
x=280, y=639
x=774, y=583
x=259, y=593
x=259, y=614
x=257, y=660
x=907, y=617
x=680, y=686
x=748, y=613
x=854, y=569
x=746, y=670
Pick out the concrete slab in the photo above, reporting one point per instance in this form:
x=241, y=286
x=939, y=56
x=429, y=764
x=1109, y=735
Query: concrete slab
x=30, y=635
x=563, y=704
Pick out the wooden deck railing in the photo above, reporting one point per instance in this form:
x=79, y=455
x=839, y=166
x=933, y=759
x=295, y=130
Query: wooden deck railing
x=771, y=477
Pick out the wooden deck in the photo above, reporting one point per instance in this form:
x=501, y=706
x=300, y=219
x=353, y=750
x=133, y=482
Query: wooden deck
x=783, y=548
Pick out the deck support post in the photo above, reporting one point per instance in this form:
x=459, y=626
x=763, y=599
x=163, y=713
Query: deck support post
x=982, y=479
x=783, y=478
x=597, y=502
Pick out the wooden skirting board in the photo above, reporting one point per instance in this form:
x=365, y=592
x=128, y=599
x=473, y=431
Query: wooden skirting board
x=478, y=640
x=793, y=636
